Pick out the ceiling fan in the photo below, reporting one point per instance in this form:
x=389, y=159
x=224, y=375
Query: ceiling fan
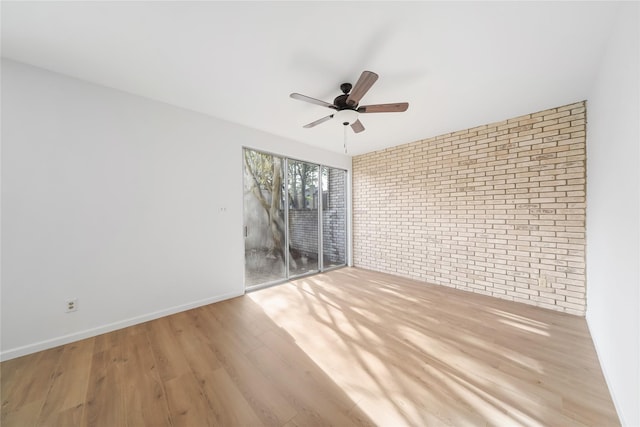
x=346, y=105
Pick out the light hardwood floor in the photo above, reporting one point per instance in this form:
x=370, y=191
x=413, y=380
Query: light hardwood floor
x=349, y=347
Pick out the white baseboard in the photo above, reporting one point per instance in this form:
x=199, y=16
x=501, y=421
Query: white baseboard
x=88, y=333
x=604, y=373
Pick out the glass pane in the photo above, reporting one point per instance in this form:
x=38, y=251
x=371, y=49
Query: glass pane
x=264, y=242
x=303, y=218
x=334, y=217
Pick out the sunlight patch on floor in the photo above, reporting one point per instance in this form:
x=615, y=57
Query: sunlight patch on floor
x=428, y=357
x=354, y=356
x=525, y=327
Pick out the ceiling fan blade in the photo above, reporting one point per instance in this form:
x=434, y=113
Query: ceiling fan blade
x=398, y=107
x=305, y=98
x=357, y=126
x=317, y=122
x=362, y=86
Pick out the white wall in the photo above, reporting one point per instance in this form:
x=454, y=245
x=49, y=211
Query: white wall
x=118, y=201
x=613, y=215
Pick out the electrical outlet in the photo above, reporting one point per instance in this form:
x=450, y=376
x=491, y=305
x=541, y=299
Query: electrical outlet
x=72, y=305
x=542, y=282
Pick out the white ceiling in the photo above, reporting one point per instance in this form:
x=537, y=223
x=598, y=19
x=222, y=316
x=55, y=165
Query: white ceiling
x=458, y=64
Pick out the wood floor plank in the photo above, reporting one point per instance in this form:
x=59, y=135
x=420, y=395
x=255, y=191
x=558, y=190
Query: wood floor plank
x=266, y=401
x=201, y=359
x=188, y=404
x=169, y=355
x=243, y=330
x=67, y=417
x=70, y=382
x=316, y=401
x=144, y=394
x=228, y=404
x=105, y=404
x=23, y=416
x=13, y=374
x=28, y=381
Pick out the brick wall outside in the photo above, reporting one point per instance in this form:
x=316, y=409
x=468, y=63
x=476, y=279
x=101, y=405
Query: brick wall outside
x=303, y=223
x=334, y=219
x=303, y=231
x=490, y=210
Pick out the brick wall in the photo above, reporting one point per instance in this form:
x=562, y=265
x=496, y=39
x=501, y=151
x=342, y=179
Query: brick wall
x=498, y=209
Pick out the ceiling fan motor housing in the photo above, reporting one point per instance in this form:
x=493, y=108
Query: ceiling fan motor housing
x=341, y=103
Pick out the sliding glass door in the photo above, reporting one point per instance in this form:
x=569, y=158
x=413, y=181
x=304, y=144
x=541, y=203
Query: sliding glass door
x=295, y=218
x=264, y=223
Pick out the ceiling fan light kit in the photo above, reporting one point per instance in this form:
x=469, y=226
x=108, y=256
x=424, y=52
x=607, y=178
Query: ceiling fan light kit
x=346, y=116
x=346, y=105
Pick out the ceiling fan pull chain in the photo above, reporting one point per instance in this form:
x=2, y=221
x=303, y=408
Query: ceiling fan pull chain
x=345, y=138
